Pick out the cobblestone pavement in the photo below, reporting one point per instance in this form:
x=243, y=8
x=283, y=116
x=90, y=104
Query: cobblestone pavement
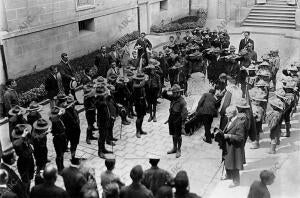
x=199, y=159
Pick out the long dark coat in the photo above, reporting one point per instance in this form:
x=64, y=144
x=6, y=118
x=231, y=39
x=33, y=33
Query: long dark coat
x=235, y=157
x=102, y=64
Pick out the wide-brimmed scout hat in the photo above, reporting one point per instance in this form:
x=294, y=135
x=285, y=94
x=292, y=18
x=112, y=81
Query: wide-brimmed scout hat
x=242, y=103
x=265, y=57
x=263, y=72
x=277, y=103
x=140, y=76
x=68, y=103
x=251, y=68
x=289, y=85
x=34, y=106
x=262, y=83
x=110, y=87
x=56, y=111
x=112, y=77
x=129, y=75
x=177, y=66
x=280, y=93
x=122, y=80
x=232, y=48
x=73, y=84
x=101, y=91
x=20, y=129
x=88, y=91
x=264, y=64
x=60, y=97
x=16, y=110
x=41, y=125
x=175, y=88
x=292, y=68
x=100, y=80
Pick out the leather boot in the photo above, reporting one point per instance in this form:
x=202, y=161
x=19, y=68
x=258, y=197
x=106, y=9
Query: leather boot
x=272, y=148
x=88, y=135
x=138, y=133
x=58, y=164
x=287, y=130
x=150, y=112
x=154, y=113
x=174, y=149
x=179, y=142
x=140, y=127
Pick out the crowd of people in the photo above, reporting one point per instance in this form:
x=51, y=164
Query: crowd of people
x=120, y=85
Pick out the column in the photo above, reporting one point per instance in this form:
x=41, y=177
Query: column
x=212, y=7
x=3, y=20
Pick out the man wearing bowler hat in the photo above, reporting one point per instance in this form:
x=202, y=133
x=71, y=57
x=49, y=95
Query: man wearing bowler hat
x=177, y=117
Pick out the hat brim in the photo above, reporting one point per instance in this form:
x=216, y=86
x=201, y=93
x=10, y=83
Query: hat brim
x=126, y=80
x=35, y=126
x=279, y=96
x=27, y=126
x=276, y=106
x=259, y=99
x=39, y=108
x=56, y=98
x=72, y=86
x=243, y=107
x=11, y=113
x=62, y=110
x=104, y=81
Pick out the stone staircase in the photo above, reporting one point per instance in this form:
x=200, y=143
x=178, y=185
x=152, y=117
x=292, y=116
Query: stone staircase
x=273, y=14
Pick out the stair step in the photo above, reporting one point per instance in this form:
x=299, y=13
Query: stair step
x=270, y=18
x=273, y=12
x=274, y=5
x=270, y=21
x=269, y=25
x=272, y=15
x=275, y=9
x=277, y=3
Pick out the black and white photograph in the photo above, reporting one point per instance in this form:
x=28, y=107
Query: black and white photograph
x=149, y=98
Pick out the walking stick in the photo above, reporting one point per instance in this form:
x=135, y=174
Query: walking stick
x=223, y=167
x=121, y=130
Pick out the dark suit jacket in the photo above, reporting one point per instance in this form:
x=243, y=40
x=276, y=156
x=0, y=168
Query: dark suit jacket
x=51, y=85
x=207, y=105
x=74, y=180
x=114, y=58
x=48, y=191
x=235, y=157
x=102, y=64
x=243, y=43
x=66, y=69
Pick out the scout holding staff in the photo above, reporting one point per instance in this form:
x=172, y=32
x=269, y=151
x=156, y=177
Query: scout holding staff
x=177, y=117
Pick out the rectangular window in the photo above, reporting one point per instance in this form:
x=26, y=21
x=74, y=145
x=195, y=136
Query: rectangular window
x=84, y=4
x=163, y=5
x=86, y=26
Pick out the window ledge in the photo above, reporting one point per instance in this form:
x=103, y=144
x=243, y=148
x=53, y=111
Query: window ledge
x=85, y=7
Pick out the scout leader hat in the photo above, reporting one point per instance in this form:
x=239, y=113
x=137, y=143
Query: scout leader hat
x=101, y=91
x=263, y=72
x=140, y=76
x=112, y=77
x=262, y=83
x=56, y=111
x=177, y=66
x=242, y=103
x=69, y=102
x=34, y=106
x=264, y=64
x=276, y=103
x=60, y=97
x=175, y=88
x=16, y=110
x=223, y=76
x=129, y=75
x=41, y=125
x=20, y=129
x=122, y=80
x=100, y=80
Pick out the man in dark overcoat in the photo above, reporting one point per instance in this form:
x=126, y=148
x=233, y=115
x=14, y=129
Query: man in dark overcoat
x=142, y=44
x=177, y=117
x=245, y=41
x=234, y=134
x=102, y=62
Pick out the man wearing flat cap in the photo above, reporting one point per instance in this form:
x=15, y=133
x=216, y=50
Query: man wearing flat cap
x=177, y=117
